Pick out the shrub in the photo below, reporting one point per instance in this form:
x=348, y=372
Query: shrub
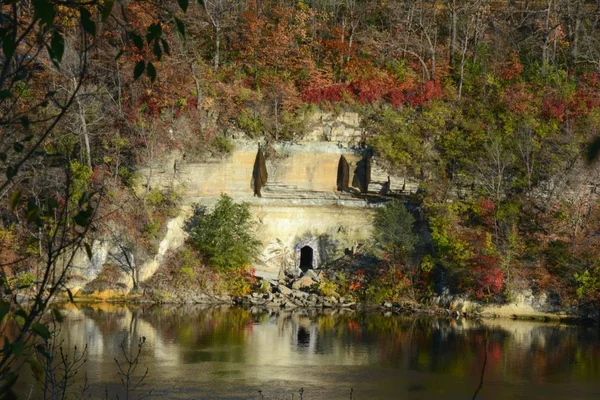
x=224, y=236
x=588, y=285
x=250, y=122
x=221, y=145
x=237, y=282
x=327, y=287
x=394, y=230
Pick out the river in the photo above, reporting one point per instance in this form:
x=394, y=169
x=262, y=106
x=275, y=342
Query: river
x=194, y=352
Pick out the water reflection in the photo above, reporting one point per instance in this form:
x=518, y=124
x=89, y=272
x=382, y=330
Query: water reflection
x=220, y=352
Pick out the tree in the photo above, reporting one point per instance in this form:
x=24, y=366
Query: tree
x=216, y=11
x=224, y=236
x=394, y=230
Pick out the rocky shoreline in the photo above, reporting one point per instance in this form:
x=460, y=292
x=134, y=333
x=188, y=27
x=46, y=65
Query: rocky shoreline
x=303, y=293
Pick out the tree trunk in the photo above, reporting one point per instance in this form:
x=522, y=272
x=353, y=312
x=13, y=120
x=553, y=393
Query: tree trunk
x=217, y=46
x=453, y=23
x=546, y=38
x=462, y=66
x=276, y=119
x=197, y=83
x=84, y=128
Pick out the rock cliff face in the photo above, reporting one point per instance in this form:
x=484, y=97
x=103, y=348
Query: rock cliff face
x=301, y=217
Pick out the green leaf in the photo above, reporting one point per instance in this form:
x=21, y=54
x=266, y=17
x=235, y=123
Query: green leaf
x=9, y=45
x=137, y=40
x=151, y=71
x=15, y=198
x=107, y=9
x=86, y=22
x=41, y=330
x=21, y=313
x=165, y=46
x=83, y=217
x=88, y=250
x=25, y=122
x=33, y=215
x=18, y=147
x=17, y=348
x=36, y=369
x=11, y=172
x=154, y=32
x=32, y=204
x=183, y=4
x=3, y=157
x=139, y=69
x=5, y=94
x=57, y=315
x=157, y=50
x=57, y=48
x=180, y=26
x=52, y=203
x=40, y=348
x=44, y=10
x=4, y=309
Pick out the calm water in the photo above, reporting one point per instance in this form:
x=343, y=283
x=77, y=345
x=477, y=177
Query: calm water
x=231, y=353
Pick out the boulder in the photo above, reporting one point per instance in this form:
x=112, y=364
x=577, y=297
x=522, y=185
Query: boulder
x=297, y=294
x=312, y=275
x=304, y=282
x=284, y=290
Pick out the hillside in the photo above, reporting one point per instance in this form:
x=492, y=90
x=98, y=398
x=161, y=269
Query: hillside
x=489, y=106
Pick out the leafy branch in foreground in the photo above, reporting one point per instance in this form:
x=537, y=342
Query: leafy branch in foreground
x=47, y=208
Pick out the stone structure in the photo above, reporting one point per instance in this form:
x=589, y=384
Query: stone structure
x=302, y=218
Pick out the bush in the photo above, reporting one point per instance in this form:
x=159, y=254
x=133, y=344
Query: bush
x=250, y=122
x=221, y=145
x=588, y=285
x=224, y=236
x=394, y=230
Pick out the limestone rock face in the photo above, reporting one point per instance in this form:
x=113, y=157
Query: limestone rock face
x=301, y=218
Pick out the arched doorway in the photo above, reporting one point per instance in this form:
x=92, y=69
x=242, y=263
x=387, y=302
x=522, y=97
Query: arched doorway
x=306, y=258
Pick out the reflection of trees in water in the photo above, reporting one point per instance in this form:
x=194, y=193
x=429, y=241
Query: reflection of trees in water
x=205, y=334
x=516, y=350
x=540, y=353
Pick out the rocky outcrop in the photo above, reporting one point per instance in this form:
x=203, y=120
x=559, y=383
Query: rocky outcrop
x=525, y=305
x=291, y=294
x=299, y=207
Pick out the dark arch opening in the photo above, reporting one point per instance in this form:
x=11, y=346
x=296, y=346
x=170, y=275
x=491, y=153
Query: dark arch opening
x=343, y=175
x=306, y=258
x=259, y=173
